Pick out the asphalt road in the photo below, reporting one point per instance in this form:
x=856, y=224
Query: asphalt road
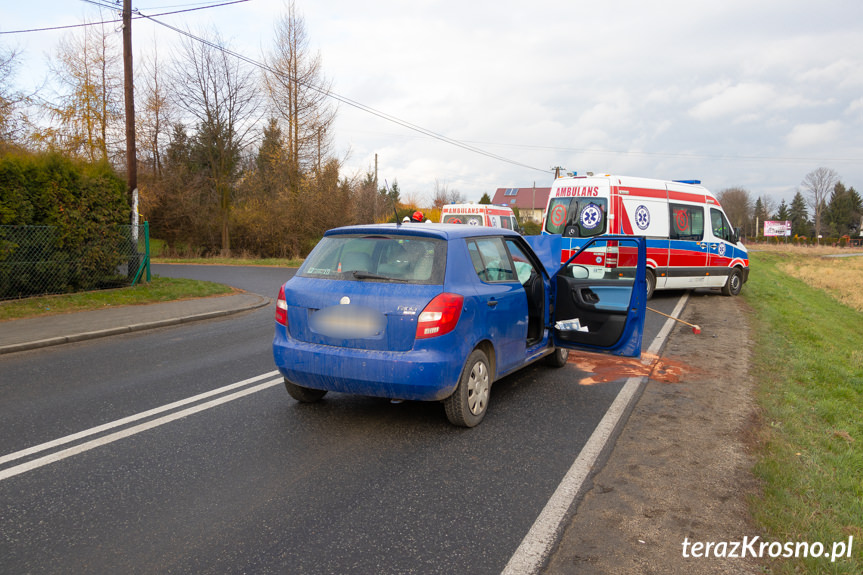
x=247, y=480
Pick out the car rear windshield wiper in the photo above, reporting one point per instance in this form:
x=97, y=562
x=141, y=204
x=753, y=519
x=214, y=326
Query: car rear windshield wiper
x=369, y=276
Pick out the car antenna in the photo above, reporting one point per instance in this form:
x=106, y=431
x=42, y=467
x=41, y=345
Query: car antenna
x=395, y=209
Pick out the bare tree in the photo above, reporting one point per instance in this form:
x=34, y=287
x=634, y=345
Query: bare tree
x=88, y=117
x=10, y=99
x=155, y=116
x=299, y=93
x=443, y=195
x=737, y=204
x=219, y=93
x=818, y=185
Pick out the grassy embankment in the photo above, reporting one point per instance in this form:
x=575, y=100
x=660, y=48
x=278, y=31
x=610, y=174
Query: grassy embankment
x=808, y=362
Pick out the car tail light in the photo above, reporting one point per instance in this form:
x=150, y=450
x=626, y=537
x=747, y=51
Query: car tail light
x=440, y=316
x=282, y=308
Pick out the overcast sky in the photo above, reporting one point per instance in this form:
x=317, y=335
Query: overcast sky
x=737, y=93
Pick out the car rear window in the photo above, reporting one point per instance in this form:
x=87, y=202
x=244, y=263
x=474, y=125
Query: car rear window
x=381, y=258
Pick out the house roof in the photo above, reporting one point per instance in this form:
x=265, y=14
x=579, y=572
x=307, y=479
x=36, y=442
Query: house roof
x=522, y=198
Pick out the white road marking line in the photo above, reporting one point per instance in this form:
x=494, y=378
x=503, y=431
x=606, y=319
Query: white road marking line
x=543, y=535
x=131, y=419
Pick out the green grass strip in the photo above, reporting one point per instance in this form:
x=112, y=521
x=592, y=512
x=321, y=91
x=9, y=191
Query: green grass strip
x=808, y=362
x=220, y=261
x=158, y=290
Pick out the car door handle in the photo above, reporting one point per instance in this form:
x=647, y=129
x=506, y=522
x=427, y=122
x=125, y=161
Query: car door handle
x=588, y=296
x=492, y=303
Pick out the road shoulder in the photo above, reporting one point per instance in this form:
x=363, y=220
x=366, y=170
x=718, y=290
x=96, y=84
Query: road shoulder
x=681, y=467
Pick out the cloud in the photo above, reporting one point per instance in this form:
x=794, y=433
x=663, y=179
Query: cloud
x=806, y=136
x=737, y=103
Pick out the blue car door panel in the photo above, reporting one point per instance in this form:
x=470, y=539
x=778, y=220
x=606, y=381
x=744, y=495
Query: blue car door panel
x=602, y=314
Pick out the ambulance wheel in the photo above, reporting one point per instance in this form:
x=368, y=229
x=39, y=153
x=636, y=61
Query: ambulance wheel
x=734, y=283
x=557, y=358
x=650, y=279
x=304, y=394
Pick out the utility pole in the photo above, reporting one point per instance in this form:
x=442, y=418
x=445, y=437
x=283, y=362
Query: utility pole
x=377, y=190
x=131, y=155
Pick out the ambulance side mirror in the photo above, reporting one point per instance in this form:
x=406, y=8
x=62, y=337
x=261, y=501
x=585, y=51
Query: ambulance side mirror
x=580, y=272
x=738, y=233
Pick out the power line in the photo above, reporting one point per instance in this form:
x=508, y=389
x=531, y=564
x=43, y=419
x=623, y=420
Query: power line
x=348, y=101
x=117, y=21
x=674, y=154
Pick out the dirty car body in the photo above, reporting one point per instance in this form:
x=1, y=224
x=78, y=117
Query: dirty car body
x=438, y=312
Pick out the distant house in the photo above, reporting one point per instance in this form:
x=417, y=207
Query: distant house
x=529, y=201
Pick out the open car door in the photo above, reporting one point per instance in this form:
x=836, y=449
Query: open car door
x=599, y=297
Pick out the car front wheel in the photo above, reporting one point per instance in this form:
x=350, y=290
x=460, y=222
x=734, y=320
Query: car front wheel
x=557, y=358
x=468, y=404
x=304, y=394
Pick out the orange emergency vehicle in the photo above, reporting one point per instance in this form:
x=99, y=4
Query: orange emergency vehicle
x=690, y=242
x=479, y=215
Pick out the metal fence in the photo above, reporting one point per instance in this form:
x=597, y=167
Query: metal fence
x=41, y=260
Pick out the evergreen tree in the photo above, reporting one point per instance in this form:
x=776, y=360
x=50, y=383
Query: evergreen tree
x=799, y=216
x=843, y=211
x=760, y=216
x=782, y=214
x=857, y=210
x=388, y=200
x=272, y=146
x=485, y=199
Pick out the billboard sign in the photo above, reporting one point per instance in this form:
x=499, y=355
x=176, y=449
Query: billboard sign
x=777, y=228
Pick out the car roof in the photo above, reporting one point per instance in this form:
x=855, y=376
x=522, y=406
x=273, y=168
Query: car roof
x=442, y=231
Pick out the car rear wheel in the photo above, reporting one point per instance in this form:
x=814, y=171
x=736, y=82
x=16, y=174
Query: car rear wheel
x=734, y=283
x=557, y=358
x=468, y=404
x=304, y=394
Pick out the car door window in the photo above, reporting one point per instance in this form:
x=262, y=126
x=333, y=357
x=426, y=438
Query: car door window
x=490, y=260
x=523, y=266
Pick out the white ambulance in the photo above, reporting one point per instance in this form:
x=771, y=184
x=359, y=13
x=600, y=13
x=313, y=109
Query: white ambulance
x=479, y=215
x=690, y=242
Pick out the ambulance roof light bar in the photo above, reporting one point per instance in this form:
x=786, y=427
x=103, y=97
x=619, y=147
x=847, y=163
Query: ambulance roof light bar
x=693, y=182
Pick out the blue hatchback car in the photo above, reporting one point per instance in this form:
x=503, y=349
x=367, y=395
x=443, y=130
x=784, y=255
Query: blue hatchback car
x=438, y=312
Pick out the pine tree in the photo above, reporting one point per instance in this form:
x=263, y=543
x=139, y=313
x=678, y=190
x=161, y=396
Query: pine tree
x=799, y=216
x=782, y=214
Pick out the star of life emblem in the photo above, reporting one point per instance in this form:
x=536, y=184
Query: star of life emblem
x=642, y=217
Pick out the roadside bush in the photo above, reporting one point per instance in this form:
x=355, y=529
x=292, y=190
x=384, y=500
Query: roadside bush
x=60, y=224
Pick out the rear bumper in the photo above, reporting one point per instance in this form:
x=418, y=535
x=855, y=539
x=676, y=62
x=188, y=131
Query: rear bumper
x=423, y=375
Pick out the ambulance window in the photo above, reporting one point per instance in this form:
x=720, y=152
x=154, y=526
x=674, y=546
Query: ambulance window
x=577, y=217
x=687, y=222
x=721, y=228
x=472, y=219
x=505, y=223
